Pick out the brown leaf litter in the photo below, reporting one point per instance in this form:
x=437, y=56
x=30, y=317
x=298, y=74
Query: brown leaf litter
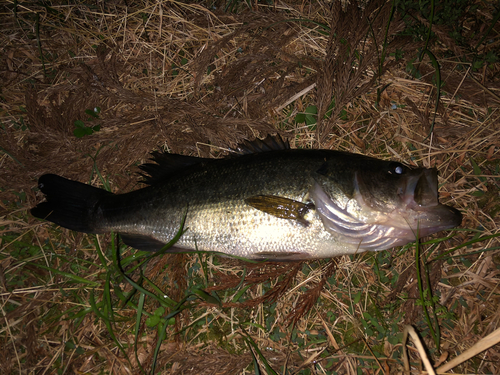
x=195, y=80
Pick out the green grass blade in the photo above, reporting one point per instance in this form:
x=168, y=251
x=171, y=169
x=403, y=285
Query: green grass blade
x=253, y=347
x=107, y=298
x=106, y=321
x=163, y=334
x=68, y=275
x=256, y=366
x=437, y=69
x=160, y=292
x=207, y=297
x=425, y=297
x=139, y=310
x=466, y=244
x=102, y=258
x=141, y=289
x=492, y=25
x=431, y=21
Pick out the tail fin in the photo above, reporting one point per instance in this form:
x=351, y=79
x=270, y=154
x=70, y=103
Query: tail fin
x=70, y=204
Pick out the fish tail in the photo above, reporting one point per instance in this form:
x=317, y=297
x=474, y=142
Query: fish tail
x=70, y=204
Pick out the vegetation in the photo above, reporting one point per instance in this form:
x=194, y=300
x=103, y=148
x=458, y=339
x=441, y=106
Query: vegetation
x=90, y=88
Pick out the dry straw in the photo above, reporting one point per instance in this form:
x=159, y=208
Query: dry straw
x=194, y=79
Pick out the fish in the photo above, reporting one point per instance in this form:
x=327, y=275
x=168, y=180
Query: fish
x=265, y=201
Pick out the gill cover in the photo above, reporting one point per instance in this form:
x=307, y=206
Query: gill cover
x=387, y=207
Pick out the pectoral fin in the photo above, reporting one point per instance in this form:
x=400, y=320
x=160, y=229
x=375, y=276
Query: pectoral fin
x=283, y=208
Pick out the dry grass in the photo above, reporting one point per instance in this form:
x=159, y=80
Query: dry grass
x=196, y=80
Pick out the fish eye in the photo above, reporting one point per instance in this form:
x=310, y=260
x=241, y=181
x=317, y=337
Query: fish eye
x=397, y=168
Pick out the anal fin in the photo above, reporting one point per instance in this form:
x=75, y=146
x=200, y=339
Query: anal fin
x=142, y=242
x=285, y=256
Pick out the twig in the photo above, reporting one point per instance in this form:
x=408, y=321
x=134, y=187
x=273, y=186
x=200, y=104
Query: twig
x=483, y=344
x=409, y=329
x=297, y=95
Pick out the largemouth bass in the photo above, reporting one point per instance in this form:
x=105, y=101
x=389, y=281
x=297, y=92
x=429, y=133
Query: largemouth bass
x=268, y=202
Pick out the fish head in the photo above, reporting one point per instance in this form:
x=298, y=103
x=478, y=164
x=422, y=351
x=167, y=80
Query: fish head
x=385, y=204
x=404, y=196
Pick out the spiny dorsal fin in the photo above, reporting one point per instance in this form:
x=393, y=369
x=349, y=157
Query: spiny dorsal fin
x=270, y=143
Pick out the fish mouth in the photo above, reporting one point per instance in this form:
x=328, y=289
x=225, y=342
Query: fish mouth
x=421, y=197
x=422, y=189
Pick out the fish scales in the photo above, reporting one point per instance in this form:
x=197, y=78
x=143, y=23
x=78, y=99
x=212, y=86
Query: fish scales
x=218, y=218
x=273, y=203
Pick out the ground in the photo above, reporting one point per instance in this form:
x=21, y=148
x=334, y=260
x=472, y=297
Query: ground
x=90, y=89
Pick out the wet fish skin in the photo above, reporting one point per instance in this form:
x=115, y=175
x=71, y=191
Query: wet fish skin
x=270, y=202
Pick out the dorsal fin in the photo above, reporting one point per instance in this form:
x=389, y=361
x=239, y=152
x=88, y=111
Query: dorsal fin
x=270, y=143
x=166, y=164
